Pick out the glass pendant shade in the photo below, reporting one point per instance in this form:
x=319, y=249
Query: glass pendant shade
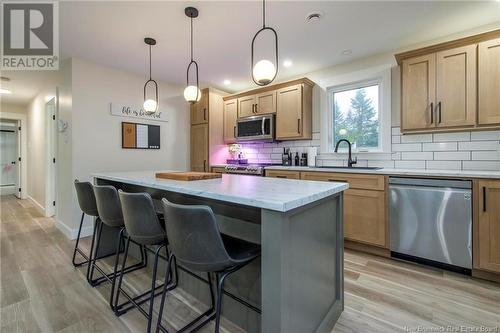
x=264, y=72
x=150, y=105
x=192, y=94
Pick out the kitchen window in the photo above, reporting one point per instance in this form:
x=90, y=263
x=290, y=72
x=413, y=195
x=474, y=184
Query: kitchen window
x=358, y=109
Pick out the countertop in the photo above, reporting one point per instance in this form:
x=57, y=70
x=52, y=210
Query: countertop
x=392, y=171
x=261, y=192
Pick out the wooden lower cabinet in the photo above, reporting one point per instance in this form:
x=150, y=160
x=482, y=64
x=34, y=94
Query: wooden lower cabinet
x=218, y=170
x=488, y=226
x=283, y=174
x=199, y=147
x=365, y=216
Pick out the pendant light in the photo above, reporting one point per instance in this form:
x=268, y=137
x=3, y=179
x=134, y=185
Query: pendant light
x=192, y=93
x=264, y=71
x=150, y=105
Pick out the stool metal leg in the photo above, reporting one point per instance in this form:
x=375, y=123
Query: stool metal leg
x=153, y=287
x=218, y=310
x=168, y=271
x=94, y=234
x=120, y=277
x=93, y=258
x=77, y=250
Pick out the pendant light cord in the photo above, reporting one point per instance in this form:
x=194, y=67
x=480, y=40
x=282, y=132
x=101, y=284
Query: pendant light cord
x=150, y=62
x=191, y=38
x=263, y=13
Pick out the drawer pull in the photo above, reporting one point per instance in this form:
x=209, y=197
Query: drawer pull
x=280, y=176
x=484, y=198
x=337, y=180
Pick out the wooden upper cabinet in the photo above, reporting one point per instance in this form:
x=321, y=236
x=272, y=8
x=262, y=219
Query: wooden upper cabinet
x=265, y=102
x=230, y=117
x=199, y=147
x=489, y=82
x=289, y=112
x=418, y=92
x=456, y=78
x=199, y=110
x=489, y=225
x=246, y=106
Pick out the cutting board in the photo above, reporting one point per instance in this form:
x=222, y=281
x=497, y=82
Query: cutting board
x=188, y=176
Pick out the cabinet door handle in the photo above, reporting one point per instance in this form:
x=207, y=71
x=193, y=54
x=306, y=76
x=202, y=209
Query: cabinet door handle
x=484, y=198
x=234, y=131
x=204, y=113
x=432, y=112
x=298, y=125
x=439, y=114
x=256, y=106
x=204, y=165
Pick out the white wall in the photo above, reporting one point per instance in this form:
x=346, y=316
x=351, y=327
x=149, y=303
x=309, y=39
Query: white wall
x=96, y=135
x=12, y=108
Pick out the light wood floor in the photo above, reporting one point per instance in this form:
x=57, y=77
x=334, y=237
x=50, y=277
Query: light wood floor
x=40, y=291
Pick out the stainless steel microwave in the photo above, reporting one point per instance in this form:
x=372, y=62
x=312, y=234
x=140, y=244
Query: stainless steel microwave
x=256, y=128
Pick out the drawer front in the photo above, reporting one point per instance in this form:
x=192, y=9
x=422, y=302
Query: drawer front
x=283, y=174
x=218, y=170
x=356, y=181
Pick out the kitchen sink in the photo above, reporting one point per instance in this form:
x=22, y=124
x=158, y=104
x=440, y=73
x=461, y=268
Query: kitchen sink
x=351, y=168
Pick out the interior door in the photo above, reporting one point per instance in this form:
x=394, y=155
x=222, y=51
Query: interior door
x=230, y=117
x=489, y=82
x=418, y=92
x=9, y=174
x=289, y=112
x=246, y=106
x=456, y=87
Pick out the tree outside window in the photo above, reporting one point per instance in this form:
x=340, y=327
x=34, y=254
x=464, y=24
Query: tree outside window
x=356, y=117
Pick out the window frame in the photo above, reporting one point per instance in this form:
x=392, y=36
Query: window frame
x=369, y=77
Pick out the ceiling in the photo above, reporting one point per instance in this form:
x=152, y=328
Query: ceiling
x=111, y=33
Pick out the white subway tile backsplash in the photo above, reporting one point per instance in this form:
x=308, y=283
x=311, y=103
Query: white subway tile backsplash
x=481, y=165
x=485, y=135
x=440, y=146
x=479, y=145
x=451, y=151
x=409, y=164
x=407, y=147
x=486, y=155
x=447, y=137
x=452, y=155
x=444, y=165
x=409, y=138
x=427, y=155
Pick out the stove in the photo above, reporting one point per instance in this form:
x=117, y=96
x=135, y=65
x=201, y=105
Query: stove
x=247, y=169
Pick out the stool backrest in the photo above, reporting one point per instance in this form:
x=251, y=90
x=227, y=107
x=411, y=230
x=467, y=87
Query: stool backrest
x=86, y=197
x=108, y=205
x=194, y=237
x=141, y=221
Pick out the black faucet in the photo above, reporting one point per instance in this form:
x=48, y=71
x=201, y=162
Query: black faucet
x=350, y=161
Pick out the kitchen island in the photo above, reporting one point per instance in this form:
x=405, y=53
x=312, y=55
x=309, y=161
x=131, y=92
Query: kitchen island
x=298, y=281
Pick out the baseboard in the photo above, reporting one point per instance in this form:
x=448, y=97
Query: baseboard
x=485, y=275
x=37, y=205
x=73, y=233
x=371, y=249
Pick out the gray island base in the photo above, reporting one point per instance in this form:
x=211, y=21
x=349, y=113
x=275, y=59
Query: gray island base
x=298, y=281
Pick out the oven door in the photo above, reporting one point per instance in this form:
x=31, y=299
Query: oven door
x=259, y=128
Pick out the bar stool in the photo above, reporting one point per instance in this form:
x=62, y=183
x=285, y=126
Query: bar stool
x=86, y=200
x=110, y=213
x=196, y=242
x=143, y=227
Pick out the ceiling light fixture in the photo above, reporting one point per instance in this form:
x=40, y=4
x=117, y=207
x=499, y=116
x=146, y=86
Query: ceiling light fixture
x=227, y=82
x=314, y=17
x=287, y=63
x=264, y=71
x=192, y=93
x=150, y=105
x=5, y=91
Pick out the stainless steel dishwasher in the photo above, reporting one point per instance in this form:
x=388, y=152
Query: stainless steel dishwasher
x=431, y=221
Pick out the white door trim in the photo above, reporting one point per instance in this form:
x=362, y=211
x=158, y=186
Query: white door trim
x=24, y=149
x=50, y=155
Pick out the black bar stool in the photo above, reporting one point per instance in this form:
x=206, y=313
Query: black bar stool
x=86, y=200
x=196, y=242
x=143, y=227
x=110, y=213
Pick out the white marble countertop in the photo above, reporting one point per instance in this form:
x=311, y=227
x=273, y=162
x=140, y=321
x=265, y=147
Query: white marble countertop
x=261, y=192
x=397, y=172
